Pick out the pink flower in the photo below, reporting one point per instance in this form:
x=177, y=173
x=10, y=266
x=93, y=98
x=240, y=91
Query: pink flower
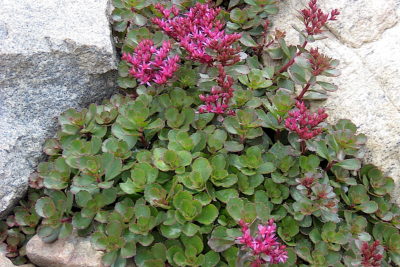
x=167, y=12
x=151, y=64
x=314, y=18
x=319, y=62
x=303, y=122
x=264, y=245
x=218, y=101
x=371, y=254
x=198, y=30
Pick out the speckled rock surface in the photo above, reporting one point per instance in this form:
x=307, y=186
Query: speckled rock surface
x=366, y=40
x=72, y=252
x=53, y=55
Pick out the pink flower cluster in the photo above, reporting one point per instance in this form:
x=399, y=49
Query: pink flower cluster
x=319, y=62
x=148, y=68
x=303, y=122
x=198, y=30
x=217, y=101
x=314, y=18
x=167, y=12
x=264, y=246
x=371, y=254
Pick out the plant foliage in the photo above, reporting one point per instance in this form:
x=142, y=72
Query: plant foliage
x=148, y=176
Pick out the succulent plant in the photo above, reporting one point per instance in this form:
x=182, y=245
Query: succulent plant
x=18, y=228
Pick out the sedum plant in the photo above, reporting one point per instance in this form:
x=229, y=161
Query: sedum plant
x=214, y=156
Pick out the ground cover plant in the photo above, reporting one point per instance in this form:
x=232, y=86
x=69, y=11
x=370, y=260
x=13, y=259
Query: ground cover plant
x=213, y=156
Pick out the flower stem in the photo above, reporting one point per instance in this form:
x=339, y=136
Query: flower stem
x=277, y=135
x=329, y=166
x=303, y=147
x=143, y=139
x=290, y=62
x=64, y=220
x=305, y=89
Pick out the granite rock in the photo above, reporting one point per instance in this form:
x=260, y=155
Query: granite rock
x=71, y=252
x=365, y=39
x=74, y=251
x=54, y=55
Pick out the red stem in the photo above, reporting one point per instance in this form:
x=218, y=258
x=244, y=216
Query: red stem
x=303, y=147
x=64, y=220
x=277, y=135
x=290, y=62
x=329, y=166
x=263, y=45
x=305, y=89
x=143, y=140
x=269, y=44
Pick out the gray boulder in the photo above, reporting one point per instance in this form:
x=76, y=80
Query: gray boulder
x=54, y=55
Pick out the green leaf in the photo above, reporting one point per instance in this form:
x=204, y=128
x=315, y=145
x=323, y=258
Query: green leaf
x=65, y=231
x=109, y=258
x=235, y=207
x=233, y=3
x=139, y=20
x=137, y=35
x=204, y=198
x=194, y=242
x=125, y=208
x=114, y=228
x=219, y=240
x=129, y=137
x=112, y=166
x=208, y=214
x=309, y=163
x=226, y=194
x=118, y=4
x=126, y=82
x=202, y=166
x=159, y=251
x=156, y=195
x=129, y=250
x=45, y=207
x=349, y=164
x=211, y=259
x=190, y=229
x=81, y=222
x=368, y=207
x=238, y=16
x=288, y=228
x=267, y=167
x=48, y=234
x=327, y=86
x=170, y=231
x=247, y=40
x=217, y=139
x=233, y=146
x=322, y=150
x=394, y=244
x=315, y=96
